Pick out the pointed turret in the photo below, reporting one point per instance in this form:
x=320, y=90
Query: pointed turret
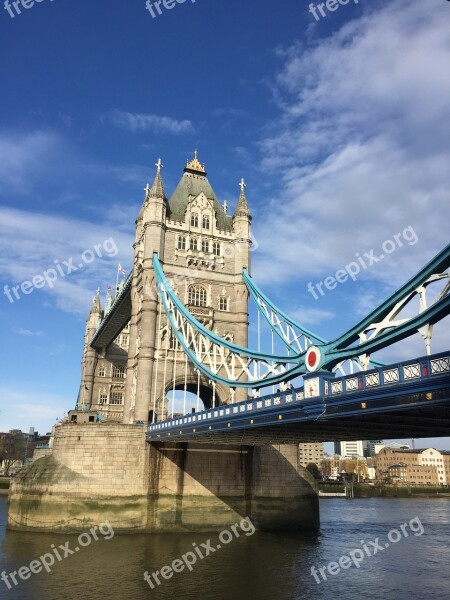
x=96, y=307
x=155, y=192
x=157, y=189
x=242, y=209
x=241, y=226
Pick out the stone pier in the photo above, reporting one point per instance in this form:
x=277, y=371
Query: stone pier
x=108, y=472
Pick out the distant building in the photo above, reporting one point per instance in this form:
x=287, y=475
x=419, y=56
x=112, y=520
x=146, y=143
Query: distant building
x=423, y=466
x=372, y=447
x=349, y=449
x=310, y=453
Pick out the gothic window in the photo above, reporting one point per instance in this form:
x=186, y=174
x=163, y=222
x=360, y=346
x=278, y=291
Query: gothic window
x=181, y=242
x=216, y=249
x=194, y=219
x=103, y=398
x=118, y=371
x=205, y=222
x=124, y=340
x=197, y=296
x=101, y=371
x=223, y=303
x=193, y=244
x=205, y=246
x=116, y=398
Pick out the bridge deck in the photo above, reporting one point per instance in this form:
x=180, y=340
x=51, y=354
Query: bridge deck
x=410, y=399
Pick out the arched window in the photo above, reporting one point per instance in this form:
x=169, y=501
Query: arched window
x=205, y=222
x=194, y=219
x=193, y=244
x=205, y=246
x=223, y=303
x=216, y=248
x=181, y=242
x=197, y=295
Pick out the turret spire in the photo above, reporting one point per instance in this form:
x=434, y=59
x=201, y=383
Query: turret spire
x=96, y=306
x=157, y=189
x=242, y=209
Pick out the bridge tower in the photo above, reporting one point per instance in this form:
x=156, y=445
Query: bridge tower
x=203, y=251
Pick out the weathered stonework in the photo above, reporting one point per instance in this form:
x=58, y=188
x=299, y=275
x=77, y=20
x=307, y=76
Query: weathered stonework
x=107, y=472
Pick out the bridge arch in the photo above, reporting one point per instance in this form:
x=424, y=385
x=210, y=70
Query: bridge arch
x=172, y=398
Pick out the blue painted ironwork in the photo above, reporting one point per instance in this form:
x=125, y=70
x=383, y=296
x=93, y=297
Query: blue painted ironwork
x=212, y=355
x=418, y=381
x=241, y=367
x=287, y=329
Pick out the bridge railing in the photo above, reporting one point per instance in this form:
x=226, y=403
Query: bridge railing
x=394, y=375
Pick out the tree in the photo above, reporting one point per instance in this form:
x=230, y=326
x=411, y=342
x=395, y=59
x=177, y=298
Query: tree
x=313, y=469
x=13, y=446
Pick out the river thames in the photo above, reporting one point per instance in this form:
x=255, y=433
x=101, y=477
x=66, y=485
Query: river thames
x=394, y=563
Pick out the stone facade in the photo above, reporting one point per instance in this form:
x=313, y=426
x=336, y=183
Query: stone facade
x=107, y=472
x=203, y=251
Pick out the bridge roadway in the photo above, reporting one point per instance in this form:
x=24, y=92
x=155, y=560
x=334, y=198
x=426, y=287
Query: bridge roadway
x=405, y=400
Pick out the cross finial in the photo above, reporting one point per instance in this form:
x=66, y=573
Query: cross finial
x=98, y=291
x=195, y=154
x=159, y=165
x=225, y=207
x=242, y=185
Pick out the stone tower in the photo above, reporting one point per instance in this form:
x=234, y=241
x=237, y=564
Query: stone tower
x=202, y=250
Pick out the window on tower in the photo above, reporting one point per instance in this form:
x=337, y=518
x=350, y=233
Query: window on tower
x=205, y=222
x=197, y=296
x=181, y=242
x=103, y=398
x=193, y=244
x=116, y=398
x=119, y=371
x=223, y=303
x=101, y=371
x=205, y=246
x=194, y=219
x=216, y=249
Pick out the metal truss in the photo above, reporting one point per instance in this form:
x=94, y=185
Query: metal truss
x=216, y=358
x=235, y=366
x=296, y=338
x=385, y=325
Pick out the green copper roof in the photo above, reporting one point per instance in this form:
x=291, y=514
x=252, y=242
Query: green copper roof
x=191, y=185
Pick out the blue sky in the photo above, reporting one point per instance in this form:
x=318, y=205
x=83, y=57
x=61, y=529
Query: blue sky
x=339, y=126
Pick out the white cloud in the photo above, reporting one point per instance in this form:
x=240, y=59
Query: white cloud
x=25, y=157
x=31, y=243
x=360, y=149
x=18, y=413
x=307, y=316
x=28, y=332
x=145, y=122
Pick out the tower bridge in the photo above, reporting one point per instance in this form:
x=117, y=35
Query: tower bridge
x=179, y=323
